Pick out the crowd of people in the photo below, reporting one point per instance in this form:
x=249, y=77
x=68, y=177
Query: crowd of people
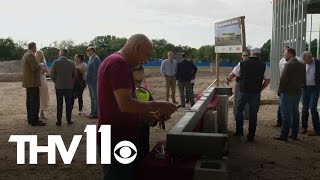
x=118, y=98
x=298, y=76
x=70, y=79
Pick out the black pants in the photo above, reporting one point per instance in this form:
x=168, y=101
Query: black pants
x=33, y=104
x=80, y=100
x=68, y=96
x=187, y=95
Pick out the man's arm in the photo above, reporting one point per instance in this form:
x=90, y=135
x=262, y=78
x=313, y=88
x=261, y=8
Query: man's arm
x=234, y=73
x=195, y=69
x=89, y=72
x=265, y=84
x=266, y=77
x=284, y=79
x=95, y=67
x=53, y=73
x=33, y=63
x=128, y=104
x=74, y=72
x=163, y=69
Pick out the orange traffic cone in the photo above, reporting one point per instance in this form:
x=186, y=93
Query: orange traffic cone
x=145, y=85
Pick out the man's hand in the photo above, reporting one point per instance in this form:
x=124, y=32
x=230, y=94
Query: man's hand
x=228, y=80
x=165, y=109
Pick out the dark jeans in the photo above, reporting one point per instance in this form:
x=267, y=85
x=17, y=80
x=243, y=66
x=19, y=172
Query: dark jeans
x=186, y=87
x=279, y=119
x=253, y=99
x=290, y=114
x=68, y=96
x=310, y=98
x=94, y=99
x=235, y=102
x=33, y=104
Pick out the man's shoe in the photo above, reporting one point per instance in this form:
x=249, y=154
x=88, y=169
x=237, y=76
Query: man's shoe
x=277, y=125
x=38, y=124
x=294, y=137
x=70, y=122
x=58, y=123
x=314, y=134
x=238, y=134
x=187, y=101
x=304, y=131
x=174, y=102
x=281, y=138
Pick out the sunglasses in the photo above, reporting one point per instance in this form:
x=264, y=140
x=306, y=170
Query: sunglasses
x=245, y=55
x=88, y=49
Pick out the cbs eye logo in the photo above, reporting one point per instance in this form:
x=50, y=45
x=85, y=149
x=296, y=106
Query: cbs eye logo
x=125, y=152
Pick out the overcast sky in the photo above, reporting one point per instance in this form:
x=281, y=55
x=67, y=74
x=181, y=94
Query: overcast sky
x=185, y=22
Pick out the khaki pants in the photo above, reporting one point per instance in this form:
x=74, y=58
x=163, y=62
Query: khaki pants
x=171, y=83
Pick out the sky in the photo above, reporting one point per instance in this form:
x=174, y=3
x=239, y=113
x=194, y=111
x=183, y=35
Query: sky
x=181, y=22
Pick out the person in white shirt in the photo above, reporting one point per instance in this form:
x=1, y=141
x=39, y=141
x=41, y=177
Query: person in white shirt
x=254, y=78
x=245, y=56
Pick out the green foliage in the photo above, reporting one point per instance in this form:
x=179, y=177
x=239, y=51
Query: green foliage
x=9, y=50
x=205, y=53
x=314, y=47
x=106, y=45
x=265, y=51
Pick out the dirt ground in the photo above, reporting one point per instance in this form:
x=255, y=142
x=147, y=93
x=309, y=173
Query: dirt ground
x=263, y=159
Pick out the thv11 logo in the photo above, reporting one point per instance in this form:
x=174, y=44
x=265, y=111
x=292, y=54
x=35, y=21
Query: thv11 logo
x=125, y=152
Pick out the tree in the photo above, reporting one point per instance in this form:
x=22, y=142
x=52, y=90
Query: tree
x=50, y=53
x=314, y=47
x=205, y=53
x=9, y=50
x=265, y=51
x=161, y=48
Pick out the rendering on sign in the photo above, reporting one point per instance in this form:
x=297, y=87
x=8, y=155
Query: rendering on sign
x=228, y=36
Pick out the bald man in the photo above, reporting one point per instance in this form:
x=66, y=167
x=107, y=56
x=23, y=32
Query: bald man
x=118, y=105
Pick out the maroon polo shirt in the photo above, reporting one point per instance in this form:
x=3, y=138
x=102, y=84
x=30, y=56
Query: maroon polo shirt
x=115, y=73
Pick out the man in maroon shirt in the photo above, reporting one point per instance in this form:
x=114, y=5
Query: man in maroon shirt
x=117, y=101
